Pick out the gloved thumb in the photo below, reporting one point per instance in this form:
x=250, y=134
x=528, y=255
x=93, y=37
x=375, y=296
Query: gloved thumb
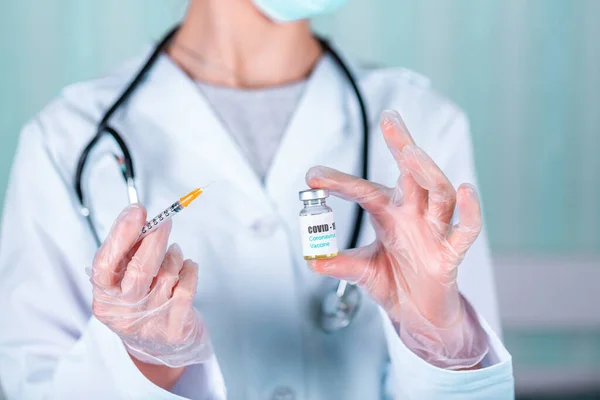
x=353, y=265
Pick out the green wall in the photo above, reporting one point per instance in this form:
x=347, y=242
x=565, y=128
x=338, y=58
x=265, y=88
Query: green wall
x=528, y=73
x=47, y=44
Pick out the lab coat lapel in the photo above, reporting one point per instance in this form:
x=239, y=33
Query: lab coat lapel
x=325, y=130
x=171, y=100
x=319, y=132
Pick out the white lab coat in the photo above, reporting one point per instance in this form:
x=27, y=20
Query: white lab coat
x=257, y=295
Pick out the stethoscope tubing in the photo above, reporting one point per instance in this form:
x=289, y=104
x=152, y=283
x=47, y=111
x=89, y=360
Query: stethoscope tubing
x=128, y=171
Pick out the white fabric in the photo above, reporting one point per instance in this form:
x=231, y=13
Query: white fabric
x=428, y=382
x=255, y=291
x=255, y=118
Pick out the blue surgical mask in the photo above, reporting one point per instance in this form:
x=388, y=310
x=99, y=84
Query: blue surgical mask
x=294, y=10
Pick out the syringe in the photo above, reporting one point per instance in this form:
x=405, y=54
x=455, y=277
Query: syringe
x=167, y=214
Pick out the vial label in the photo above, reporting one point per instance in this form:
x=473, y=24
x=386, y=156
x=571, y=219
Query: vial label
x=318, y=236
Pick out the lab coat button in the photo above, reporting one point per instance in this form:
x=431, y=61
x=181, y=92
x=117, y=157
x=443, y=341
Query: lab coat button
x=283, y=393
x=264, y=227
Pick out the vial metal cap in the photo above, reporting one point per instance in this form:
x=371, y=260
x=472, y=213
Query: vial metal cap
x=313, y=194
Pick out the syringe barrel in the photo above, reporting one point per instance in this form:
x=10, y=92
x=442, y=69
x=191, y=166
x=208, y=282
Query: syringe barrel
x=160, y=219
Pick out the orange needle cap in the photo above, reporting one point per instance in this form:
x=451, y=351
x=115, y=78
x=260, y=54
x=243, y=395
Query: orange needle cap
x=191, y=196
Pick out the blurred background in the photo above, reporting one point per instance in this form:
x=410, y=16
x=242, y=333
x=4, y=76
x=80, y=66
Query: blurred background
x=526, y=71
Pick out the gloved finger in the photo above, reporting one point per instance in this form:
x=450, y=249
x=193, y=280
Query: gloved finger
x=182, y=309
x=144, y=265
x=411, y=193
x=361, y=267
x=167, y=278
x=464, y=234
x=397, y=136
x=351, y=265
x=395, y=132
x=371, y=196
x=441, y=193
x=108, y=263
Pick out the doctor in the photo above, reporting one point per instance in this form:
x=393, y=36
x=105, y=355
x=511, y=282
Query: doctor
x=245, y=96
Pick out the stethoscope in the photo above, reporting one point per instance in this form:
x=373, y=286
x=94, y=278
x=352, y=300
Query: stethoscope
x=338, y=307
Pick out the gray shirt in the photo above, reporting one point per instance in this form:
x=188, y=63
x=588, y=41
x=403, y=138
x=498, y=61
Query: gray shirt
x=255, y=118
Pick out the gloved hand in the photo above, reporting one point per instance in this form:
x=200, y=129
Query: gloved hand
x=145, y=295
x=411, y=268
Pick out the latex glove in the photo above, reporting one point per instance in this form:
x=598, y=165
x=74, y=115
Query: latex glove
x=411, y=268
x=145, y=294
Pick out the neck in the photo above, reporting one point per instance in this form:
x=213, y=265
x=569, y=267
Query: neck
x=230, y=43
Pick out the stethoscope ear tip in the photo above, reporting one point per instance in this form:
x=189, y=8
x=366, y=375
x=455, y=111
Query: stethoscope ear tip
x=122, y=164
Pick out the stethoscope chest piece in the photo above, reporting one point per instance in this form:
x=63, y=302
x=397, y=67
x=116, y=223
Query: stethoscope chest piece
x=339, y=308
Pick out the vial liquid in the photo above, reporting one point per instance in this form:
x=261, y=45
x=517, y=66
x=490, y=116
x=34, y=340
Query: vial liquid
x=317, y=225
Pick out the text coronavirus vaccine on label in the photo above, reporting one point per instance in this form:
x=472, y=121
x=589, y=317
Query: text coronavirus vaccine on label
x=318, y=236
x=317, y=226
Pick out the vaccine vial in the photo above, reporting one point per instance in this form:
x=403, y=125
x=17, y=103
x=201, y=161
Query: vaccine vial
x=317, y=226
